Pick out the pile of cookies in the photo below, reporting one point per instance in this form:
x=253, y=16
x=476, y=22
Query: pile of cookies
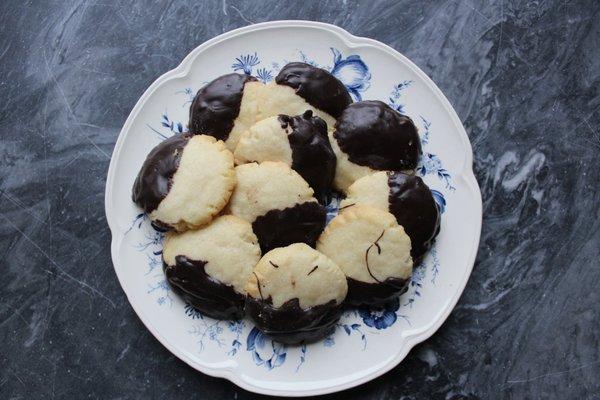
x=242, y=197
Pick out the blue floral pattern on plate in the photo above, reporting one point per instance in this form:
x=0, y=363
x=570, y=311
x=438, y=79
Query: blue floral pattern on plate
x=265, y=352
x=358, y=323
x=352, y=72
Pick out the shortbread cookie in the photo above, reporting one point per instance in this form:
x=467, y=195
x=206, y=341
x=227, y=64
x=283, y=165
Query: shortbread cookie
x=226, y=107
x=209, y=267
x=299, y=141
x=299, y=87
x=370, y=135
x=185, y=181
x=295, y=294
x=317, y=86
x=372, y=250
x=408, y=198
x=278, y=203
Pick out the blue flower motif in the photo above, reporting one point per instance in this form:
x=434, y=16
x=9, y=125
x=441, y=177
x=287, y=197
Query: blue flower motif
x=264, y=75
x=380, y=317
x=245, y=63
x=394, y=100
x=153, y=263
x=162, y=287
x=210, y=329
x=431, y=164
x=265, y=351
x=426, y=131
x=352, y=72
x=439, y=200
x=416, y=283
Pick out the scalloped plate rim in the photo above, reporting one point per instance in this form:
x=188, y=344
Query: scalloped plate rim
x=465, y=174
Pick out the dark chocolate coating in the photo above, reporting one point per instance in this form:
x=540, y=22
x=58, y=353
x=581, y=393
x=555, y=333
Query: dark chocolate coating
x=312, y=155
x=301, y=223
x=217, y=105
x=291, y=324
x=414, y=207
x=375, y=135
x=209, y=296
x=155, y=177
x=317, y=86
x=375, y=294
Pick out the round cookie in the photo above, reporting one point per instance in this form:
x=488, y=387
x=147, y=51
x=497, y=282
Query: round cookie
x=370, y=135
x=295, y=294
x=226, y=107
x=209, y=267
x=408, y=198
x=299, y=141
x=185, y=181
x=372, y=250
x=278, y=203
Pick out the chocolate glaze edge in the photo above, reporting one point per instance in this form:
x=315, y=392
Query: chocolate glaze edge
x=290, y=324
x=375, y=135
x=411, y=202
x=375, y=294
x=155, y=177
x=217, y=104
x=300, y=223
x=312, y=155
x=189, y=279
x=317, y=86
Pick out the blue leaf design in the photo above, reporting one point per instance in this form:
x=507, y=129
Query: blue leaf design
x=347, y=329
x=278, y=348
x=245, y=63
x=264, y=75
x=439, y=200
x=251, y=340
x=256, y=358
x=355, y=94
x=279, y=360
x=352, y=72
x=337, y=56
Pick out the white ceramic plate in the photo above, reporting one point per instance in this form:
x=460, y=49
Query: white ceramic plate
x=366, y=343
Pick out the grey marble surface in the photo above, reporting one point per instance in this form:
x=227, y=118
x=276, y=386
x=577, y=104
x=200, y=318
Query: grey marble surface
x=523, y=77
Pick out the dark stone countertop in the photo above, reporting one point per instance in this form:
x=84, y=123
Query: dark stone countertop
x=524, y=78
